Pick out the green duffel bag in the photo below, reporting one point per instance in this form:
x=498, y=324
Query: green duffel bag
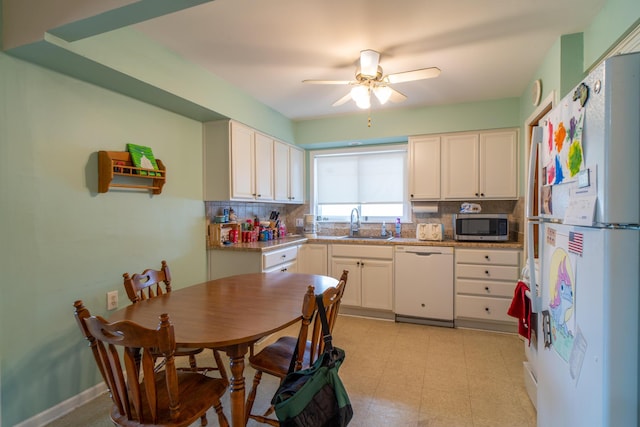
x=316, y=396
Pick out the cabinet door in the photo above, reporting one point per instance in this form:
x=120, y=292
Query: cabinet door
x=264, y=167
x=498, y=164
x=281, y=172
x=242, y=162
x=312, y=259
x=424, y=168
x=352, y=290
x=296, y=175
x=460, y=166
x=376, y=284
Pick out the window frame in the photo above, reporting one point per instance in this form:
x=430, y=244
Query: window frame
x=406, y=203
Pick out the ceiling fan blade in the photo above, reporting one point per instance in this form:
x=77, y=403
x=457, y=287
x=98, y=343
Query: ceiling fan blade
x=396, y=96
x=342, y=100
x=408, y=76
x=328, y=82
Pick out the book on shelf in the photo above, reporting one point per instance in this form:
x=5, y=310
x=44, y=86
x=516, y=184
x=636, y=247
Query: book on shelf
x=142, y=157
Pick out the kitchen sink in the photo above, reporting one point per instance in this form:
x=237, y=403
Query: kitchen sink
x=367, y=237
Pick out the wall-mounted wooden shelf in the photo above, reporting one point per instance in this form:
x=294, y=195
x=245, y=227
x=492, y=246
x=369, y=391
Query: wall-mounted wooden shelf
x=113, y=164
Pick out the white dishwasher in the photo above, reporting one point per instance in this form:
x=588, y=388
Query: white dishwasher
x=424, y=285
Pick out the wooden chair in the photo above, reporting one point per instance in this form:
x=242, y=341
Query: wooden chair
x=275, y=358
x=147, y=285
x=142, y=395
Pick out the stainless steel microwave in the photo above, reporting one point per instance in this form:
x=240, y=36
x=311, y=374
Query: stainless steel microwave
x=481, y=227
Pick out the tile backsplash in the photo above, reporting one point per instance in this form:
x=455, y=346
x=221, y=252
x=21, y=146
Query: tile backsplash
x=444, y=215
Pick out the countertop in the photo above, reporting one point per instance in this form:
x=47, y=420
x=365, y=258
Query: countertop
x=396, y=241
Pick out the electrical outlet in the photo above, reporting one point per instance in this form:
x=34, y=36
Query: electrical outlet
x=299, y=222
x=112, y=300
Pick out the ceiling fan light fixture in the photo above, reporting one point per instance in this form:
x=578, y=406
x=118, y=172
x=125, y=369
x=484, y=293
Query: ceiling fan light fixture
x=383, y=93
x=369, y=60
x=361, y=95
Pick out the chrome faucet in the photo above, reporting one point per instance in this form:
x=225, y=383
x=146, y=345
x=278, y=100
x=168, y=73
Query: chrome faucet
x=354, y=227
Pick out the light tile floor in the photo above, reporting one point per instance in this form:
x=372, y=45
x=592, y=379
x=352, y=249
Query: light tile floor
x=400, y=374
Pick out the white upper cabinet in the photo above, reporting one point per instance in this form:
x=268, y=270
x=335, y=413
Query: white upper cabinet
x=424, y=168
x=480, y=165
x=263, y=167
x=498, y=164
x=288, y=173
x=242, y=162
x=296, y=175
x=460, y=166
x=245, y=165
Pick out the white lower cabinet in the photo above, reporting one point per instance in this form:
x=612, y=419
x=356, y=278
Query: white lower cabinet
x=370, y=280
x=224, y=262
x=312, y=259
x=485, y=282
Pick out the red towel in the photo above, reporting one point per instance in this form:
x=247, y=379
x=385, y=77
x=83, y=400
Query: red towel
x=521, y=309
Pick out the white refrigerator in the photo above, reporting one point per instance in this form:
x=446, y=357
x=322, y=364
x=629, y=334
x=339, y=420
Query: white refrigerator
x=587, y=299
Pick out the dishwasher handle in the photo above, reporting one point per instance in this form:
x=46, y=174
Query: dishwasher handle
x=424, y=253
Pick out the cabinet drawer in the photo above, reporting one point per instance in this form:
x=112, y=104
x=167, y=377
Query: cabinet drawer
x=483, y=308
x=362, y=251
x=485, y=288
x=272, y=258
x=289, y=267
x=487, y=272
x=481, y=256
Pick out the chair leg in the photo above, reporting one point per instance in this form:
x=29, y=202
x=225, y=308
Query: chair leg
x=222, y=419
x=251, y=397
x=221, y=368
x=203, y=420
x=192, y=363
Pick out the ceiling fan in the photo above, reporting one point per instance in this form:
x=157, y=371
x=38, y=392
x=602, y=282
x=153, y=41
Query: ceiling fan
x=369, y=78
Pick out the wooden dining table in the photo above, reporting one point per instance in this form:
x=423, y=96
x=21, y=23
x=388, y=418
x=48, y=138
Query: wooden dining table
x=230, y=314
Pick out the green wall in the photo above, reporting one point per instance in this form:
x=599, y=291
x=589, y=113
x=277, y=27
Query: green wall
x=397, y=125
x=62, y=241
x=613, y=22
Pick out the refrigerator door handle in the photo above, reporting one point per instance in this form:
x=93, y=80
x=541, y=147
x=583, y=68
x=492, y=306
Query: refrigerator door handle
x=536, y=140
x=534, y=289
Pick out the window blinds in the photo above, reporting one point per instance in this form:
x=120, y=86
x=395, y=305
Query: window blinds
x=361, y=178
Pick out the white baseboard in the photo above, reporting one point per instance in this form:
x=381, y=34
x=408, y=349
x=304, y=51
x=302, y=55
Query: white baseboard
x=63, y=408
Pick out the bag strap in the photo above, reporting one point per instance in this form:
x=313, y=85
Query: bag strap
x=326, y=335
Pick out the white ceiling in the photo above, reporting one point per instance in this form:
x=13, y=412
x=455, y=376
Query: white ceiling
x=486, y=49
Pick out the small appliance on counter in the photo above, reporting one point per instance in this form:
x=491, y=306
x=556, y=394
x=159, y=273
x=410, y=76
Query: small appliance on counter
x=481, y=227
x=430, y=232
x=310, y=230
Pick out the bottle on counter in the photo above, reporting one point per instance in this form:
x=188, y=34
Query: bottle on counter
x=383, y=231
x=398, y=227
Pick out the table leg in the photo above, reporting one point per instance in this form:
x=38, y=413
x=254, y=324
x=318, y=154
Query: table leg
x=236, y=384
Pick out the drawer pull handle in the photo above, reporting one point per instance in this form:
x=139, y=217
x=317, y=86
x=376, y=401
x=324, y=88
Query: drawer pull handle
x=486, y=288
x=486, y=272
x=423, y=305
x=487, y=310
x=486, y=257
x=284, y=269
x=283, y=256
